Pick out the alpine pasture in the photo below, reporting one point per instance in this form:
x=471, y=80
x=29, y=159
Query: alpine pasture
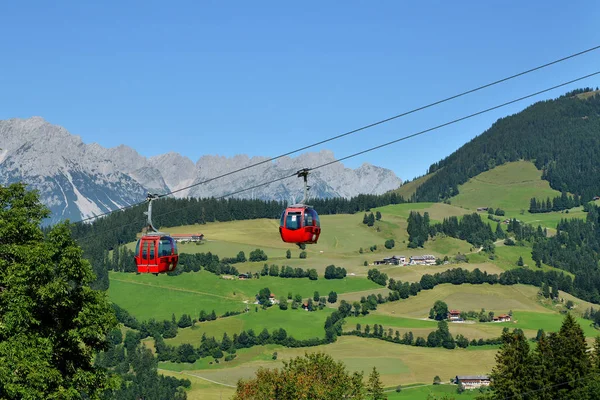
x=347, y=242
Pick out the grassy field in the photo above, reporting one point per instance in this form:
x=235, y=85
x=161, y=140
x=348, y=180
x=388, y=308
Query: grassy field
x=297, y=323
x=397, y=364
x=147, y=296
x=437, y=211
x=528, y=321
x=202, y=389
x=409, y=188
x=423, y=392
x=497, y=298
x=509, y=186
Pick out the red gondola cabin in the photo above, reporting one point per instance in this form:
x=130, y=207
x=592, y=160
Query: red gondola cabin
x=155, y=254
x=300, y=224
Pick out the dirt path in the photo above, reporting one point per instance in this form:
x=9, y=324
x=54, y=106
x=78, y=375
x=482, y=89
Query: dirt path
x=199, y=377
x=173, y=288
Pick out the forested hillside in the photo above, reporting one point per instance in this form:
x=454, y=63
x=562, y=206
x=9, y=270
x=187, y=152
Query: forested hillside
x=561, y=136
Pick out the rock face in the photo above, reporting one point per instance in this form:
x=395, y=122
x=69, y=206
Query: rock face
x=76, y=180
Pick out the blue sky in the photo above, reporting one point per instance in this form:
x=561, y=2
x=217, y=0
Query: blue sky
x=265, y=77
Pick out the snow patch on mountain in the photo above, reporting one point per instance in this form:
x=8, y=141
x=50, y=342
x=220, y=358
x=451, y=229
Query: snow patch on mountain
x=78, y=180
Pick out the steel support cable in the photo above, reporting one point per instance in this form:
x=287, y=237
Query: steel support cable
x=383, y=121
x=454, y=121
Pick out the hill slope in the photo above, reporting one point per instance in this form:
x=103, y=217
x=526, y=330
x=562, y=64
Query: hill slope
x=560, y=136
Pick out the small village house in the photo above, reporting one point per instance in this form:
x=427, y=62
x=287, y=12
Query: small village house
x=472, y=381
x=502, y=318
x=187, y=237
x=422, y=260
x=393, y=260
x=244, y=277
x=480, y=209
x=454, y=315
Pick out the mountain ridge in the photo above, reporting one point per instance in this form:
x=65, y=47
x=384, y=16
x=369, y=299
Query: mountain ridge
x=78, y=180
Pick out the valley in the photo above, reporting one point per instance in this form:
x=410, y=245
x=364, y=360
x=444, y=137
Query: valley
x=347, y=242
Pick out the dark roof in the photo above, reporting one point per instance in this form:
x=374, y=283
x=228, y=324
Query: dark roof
x=472, y=377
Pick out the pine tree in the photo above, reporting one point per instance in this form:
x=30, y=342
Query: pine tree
x=545, y=290
x=500, y=234
x=511, y=375
x=375, y=386
x=543, y=367
x=570, y=356
x=596, y=355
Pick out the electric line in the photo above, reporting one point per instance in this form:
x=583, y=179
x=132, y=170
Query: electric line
x=454, y=121
x=383, y=121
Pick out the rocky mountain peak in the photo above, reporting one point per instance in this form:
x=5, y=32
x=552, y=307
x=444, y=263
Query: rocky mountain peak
x=78, y=180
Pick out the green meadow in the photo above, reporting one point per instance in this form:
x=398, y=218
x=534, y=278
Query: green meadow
x=509, y=187
x=147, y=296
x=298, y=323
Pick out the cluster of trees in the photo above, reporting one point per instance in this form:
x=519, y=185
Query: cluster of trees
x=559, y=367
x=289, y=272
x=128, y=354
x=418, y=229
x=369, y=219
x=228, y=345
x=575, y=248
x=377, y=277
x=593, y=315
x=240, y=258
x=333, y=272
x=498, y=211
x=441, y=337
x=315, y=376
x=53, y=322
x=537, y=134
x=210, y=262
x=470, y=228
x=559, y=203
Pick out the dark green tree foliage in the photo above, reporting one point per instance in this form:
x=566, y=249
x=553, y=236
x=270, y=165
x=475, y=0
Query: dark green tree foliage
x=575, y=248
x=418, y=229
x=390, y=243
x=559, y=368
x=559, y=203
x=439, y=311
x=51, y=321
x=375, y=386
x=377, y=277
x=560, y=135
x=332, y=298
x=258, y=255
x=470, y=228
x=139, y=375
x=264, y=296
x=333, y=272
x=513, y=371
